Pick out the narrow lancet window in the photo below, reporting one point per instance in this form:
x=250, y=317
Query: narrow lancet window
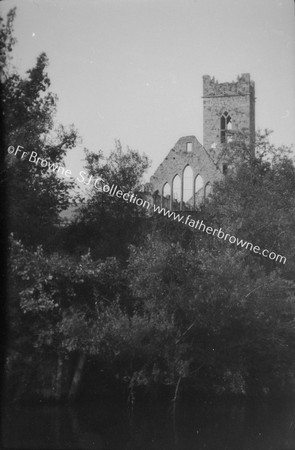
x=166, y=195
x=188, y=188
x=199, y=190
x=176, y=188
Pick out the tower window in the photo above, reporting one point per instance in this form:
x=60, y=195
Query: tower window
x=225, y=126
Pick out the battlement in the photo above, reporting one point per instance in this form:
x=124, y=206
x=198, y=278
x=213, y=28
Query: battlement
x=243, y=86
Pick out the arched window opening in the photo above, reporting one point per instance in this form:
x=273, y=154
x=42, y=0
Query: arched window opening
x=176, y=192
x=166, y=195
x=199, y=190
x=188, y=189
x=157, y=198
x=208, y=190
x=225, y=128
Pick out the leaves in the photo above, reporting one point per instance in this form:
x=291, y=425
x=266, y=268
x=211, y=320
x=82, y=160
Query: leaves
x=36, y=196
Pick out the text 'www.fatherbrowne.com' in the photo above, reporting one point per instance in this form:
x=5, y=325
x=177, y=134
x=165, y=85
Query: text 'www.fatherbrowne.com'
x=100, y=185
x=199, y=225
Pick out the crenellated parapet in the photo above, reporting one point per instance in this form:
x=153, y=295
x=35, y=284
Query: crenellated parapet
x=243, y=86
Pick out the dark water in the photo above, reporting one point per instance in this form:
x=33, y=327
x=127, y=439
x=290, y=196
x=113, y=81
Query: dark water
x=220, y=425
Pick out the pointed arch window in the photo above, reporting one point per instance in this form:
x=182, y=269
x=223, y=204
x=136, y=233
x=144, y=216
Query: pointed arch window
x=188, y=188
x=176, y=188
x=166, y=195
x=199, y=190
x=225, y=127
x=157, y=198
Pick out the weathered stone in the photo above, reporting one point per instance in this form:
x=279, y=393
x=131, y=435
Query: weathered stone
x=227, y=107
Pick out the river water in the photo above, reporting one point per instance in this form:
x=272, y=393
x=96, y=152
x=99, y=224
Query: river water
x=101, y=425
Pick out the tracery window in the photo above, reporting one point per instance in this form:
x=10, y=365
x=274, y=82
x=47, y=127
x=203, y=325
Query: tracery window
x=225, y=127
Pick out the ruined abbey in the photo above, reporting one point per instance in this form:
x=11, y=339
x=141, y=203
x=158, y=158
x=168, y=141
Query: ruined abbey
x=185, y=177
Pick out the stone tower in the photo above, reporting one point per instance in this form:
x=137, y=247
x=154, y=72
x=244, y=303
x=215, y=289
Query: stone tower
x=186, y=176
x=227, y=108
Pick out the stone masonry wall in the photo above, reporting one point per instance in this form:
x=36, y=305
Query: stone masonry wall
x=237, y=98
x=177, y=160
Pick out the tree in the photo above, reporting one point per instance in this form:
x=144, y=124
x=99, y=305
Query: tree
x=232, y=322
x=232, y=311
x=64, y=313
x=36, y=195
x=107, y=224
x=55, y=309
x=256, y=202
x=7, y=41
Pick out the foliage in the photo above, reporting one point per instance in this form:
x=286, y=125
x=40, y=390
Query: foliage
x=232, y=311
x=7, y=41
x=230, y=319
x=256, y=202
x=60, y=306
x=55, y=302
x=107, y=224
x=36, y=194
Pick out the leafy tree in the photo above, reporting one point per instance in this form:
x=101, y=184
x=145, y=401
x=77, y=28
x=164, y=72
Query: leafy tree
x=36, y=195
x=256, y=202
x=232, y=311
x=107, y=224
x=56, y=306
x=7, y=41
x=232, y=322
x=61, y=310
x=63, y=313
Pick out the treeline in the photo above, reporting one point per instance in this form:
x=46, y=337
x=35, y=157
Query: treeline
x=117, y=298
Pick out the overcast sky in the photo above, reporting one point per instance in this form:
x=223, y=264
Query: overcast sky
x=132, y=69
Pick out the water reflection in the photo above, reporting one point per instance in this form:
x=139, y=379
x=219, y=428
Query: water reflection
x=108, y=426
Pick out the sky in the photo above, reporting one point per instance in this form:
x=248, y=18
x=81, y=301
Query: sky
x=132, y=69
